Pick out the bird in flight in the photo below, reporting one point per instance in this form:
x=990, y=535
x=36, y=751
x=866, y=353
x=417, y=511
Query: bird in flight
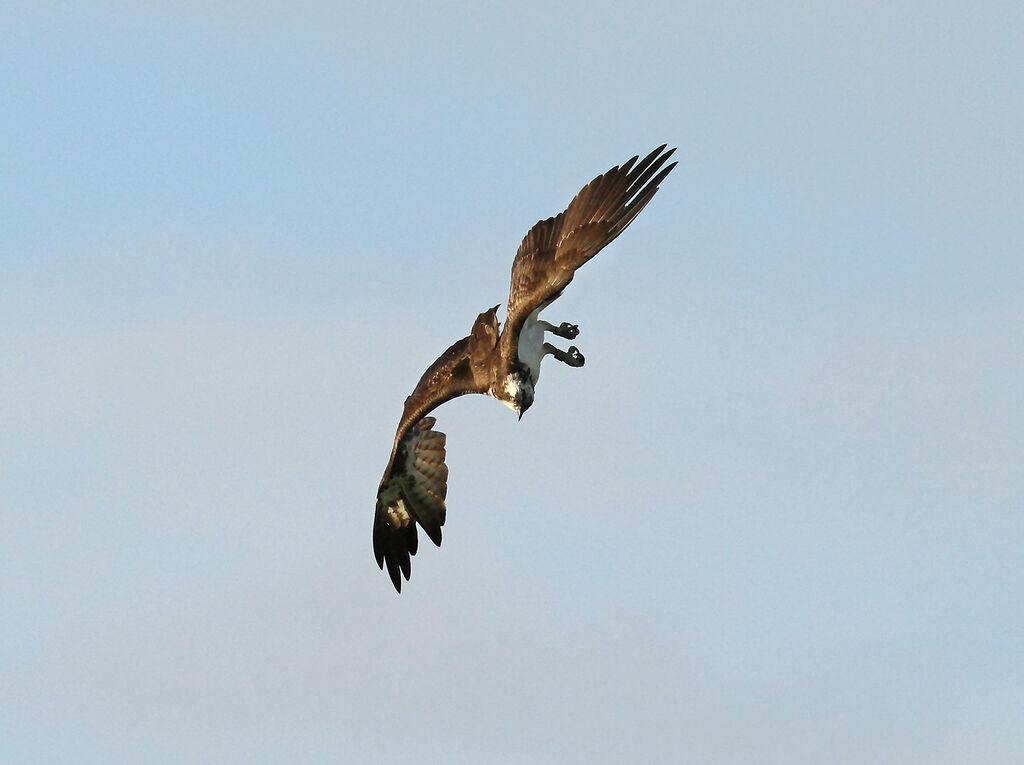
x=502, y=362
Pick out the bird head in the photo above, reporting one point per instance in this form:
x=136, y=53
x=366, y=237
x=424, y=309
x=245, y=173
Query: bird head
x=515, y=392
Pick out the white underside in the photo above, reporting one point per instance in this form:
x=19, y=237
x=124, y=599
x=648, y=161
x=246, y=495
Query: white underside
x=531, y=345
x=531, y=353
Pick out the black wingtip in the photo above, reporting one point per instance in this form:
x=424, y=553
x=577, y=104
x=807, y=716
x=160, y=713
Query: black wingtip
x=396, y=578
x=393, y=547
x=434, y=532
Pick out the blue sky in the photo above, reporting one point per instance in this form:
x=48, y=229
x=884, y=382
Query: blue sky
x=777, y=517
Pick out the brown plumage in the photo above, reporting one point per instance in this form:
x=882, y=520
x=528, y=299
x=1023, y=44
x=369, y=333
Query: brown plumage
x=414, y=485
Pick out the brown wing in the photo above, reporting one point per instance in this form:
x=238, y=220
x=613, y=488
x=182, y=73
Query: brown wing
x=414, y=485
x=554, y=248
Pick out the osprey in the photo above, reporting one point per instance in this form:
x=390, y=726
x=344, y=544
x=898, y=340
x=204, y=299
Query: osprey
x=502, y=363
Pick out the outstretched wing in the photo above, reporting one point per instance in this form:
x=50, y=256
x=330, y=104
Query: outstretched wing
x=415, y=482
x=554, y=248
x=413, y=491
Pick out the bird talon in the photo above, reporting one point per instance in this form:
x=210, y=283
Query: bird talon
x=568, y=331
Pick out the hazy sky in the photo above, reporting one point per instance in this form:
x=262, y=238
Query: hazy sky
x=778, y=517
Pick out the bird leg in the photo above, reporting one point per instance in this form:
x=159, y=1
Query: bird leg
x=572, y=357
x=565, y=329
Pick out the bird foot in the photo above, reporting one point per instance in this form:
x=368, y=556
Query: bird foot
x=573, y=357
x=567, y=330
